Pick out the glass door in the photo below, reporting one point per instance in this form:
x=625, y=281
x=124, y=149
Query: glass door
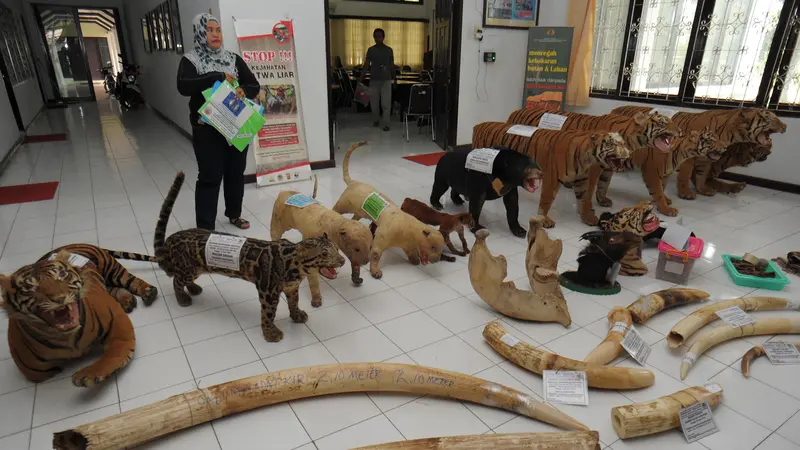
x=64, y=43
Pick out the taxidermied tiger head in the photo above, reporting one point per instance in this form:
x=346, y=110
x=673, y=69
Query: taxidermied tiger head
x=46, y=292
x=611, y=152
x=319, y=253
x=659, y=130
x=759, y=124
x=709, y=145
x=638, y=219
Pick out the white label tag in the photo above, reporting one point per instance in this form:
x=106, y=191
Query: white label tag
x=481, y=159
x=636, y=346
x=509, y=340
x=713, y=388
x=790, y=304
x=300, y=200
x=735, y=317
x=551, y=121
x=669, y=112
x=223, y=251
x=781, y=353
x=697, y=422
x=690, y=358
x=619, y=327
x=522, y=130
x=677, y=236
x=374, y=205
x=74, y=260
x=566, y=386
x=673, y=267
x=613, y=272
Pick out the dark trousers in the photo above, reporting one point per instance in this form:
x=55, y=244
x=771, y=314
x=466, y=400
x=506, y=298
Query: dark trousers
x=216, y=161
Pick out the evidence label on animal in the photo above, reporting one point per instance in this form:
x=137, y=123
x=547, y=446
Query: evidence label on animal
x=481, y=160
x=374, y=205
x=223, y=251
x=522, y=130
x=300, y=201
x=550, y=121
x=74, y=260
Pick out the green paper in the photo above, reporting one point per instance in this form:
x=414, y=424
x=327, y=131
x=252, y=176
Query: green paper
x=374, y=205
x=238, y=127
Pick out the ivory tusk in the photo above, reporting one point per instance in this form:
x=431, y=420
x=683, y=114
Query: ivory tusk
x=687, y=326
x=537, y=361
x=725, y=333
x=566, y=440
x=487, y=272
x=754, y=353
x=649, y=305
x=202, y=405
x=661, y=414
x=619, y=321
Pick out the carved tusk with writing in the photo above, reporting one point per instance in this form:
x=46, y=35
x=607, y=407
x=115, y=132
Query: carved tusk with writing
x=689, y=325
x=725, y=333
x=565, y=440
x=661, y=414
x=619, y=321
x=649, y=305
x=754, y=353
x=202, y=405
x=487, y=272
x=537, y=361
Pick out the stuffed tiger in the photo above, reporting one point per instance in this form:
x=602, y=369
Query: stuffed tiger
x=639, y=220
x=121, y=284
x=58, y=312
x=562, y=156
x=738, y=155
x=742, y=125
x=648, y=137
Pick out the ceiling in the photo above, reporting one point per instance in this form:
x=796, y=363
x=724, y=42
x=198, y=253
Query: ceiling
x=59, y=18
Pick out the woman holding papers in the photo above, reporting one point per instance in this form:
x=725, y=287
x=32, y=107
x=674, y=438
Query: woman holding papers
x=217, y=160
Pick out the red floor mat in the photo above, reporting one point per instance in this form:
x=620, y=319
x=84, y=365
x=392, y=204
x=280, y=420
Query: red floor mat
x=45, y=138
x=429, y=159
x=24, y=193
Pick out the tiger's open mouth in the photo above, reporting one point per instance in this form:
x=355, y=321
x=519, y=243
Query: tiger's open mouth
x=764, y=139
x=651, y=222
x=664, y=143
x=423, y=258
x=64, y=318
x=531, y=184
x=616, y=163
x=715, y=154
x=328, y=272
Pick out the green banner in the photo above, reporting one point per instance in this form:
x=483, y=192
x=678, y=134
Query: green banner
x=546, y=72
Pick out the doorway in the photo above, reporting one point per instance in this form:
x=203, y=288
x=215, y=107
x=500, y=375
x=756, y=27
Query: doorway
x=79, y=42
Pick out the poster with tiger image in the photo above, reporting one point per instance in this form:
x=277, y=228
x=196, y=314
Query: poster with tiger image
x=280, y=149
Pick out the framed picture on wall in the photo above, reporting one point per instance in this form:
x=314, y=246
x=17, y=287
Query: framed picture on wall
x=146, y=35
x=175, y=17
x=510, y=13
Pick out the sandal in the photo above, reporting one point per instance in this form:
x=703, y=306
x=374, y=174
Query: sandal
x=240, y=223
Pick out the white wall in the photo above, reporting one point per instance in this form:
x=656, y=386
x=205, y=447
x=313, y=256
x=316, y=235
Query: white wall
x=159, y=69
x=309, y=27
x=378, y=9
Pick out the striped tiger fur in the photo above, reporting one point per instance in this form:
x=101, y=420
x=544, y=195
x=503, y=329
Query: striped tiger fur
x=58, y=312
x=120, y=283
x=562, y=156
x=649, y=136
x=742, y=125
x=639, y=220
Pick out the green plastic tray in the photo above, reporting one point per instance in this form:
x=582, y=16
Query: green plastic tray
x=773, y=284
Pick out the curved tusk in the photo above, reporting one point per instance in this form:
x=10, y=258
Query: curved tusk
x=487, y=272
x=565, y=440
x=661, y=414
x=537, y=361
x=754, y=353
x=619, y=320
x=725, y=333
x=202, y=405
x=687, y=326
x=649, y=305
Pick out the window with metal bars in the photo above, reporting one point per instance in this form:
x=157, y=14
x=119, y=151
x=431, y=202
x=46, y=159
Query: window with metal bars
x=14, y=47
x=701, y=53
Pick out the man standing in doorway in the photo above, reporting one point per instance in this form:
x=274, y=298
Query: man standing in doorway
x=380, y=63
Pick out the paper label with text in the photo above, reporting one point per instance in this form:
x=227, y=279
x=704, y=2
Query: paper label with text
x=619, y=327
x=636, y=346
x=550, y=121
x=522, y=130
x=374, y=205
x=781, y=353
x=713, y=388
x=223, y=251
x=735, y=317
x=481, y=159
x=566, y=386
x=697, y=422
x=674, y=267
x=509, y=340
x=300, y=200
x=74, y=260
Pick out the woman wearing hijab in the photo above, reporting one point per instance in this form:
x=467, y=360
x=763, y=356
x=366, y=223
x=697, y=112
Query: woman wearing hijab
x=216, y=159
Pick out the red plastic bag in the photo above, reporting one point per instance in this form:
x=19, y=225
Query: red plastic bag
x=362, y=94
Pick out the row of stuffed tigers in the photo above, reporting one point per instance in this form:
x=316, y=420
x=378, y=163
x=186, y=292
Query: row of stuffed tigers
x=586, y=150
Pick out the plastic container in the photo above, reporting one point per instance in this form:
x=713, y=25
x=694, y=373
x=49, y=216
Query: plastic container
x=773, y=284
x=675, y=265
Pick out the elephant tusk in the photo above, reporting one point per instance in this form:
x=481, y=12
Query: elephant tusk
x=565, y=440
x=754, y=353
x=649, y=305
x=537, y=361
x=619, y=321
x=725, y=333
x=661, y=414
x=689, y=325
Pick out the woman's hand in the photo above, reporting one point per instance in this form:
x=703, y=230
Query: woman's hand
x=229, y=78
x=240, y=92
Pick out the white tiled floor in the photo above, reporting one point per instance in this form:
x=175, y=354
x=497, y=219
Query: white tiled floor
x=114, y=171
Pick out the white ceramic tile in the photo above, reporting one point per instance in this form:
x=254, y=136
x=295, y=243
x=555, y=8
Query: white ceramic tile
x=220, y=353
x=322, y=416
x=662, y=441
x=157, y=396
x=377, y=430
x=791, y=429
x=345, y=287
x=155, y=338
x=434, y=417
x=200, y=437
x=206, y=325
x=275, y=424
x=575, y=345
x=383, y=306
x=210, y=298
x=401, y=273
x=310, y=355
x=451, y=354
x=235, y=291
x=136, y=379
x=460, y=315
x=335, y=321
x=762, y=404
x=365, y=345
x=735, y=431
x=16, y=409
x=428, y=293
x=11, y=378
x=775, y=442
x=425, y=331
x=295, y=335
x=16, y=441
